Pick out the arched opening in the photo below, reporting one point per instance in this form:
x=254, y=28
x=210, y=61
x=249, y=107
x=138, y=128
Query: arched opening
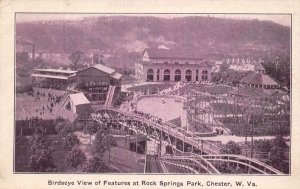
x=167, y=75
x=150, y=75
x=177, y=76
x=188, y=75
x=204, y=75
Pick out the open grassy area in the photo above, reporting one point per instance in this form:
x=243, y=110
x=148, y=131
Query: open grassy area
x=153, y=88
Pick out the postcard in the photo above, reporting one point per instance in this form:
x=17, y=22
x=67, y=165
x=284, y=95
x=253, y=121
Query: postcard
x=102, y=95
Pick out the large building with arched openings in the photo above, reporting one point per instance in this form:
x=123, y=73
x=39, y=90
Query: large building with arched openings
x=171, y=66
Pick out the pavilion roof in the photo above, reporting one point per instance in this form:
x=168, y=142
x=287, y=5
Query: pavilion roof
x=79, y=98
x=259, y=79
x=104, y=68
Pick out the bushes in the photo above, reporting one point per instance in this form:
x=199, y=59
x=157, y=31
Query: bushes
x=41, y=159
x=96, y=164
x=70, y=141
x=263, y=145
x=24, y=89
x=23, y=126
x=75, y=157
x=120, y=98
x=231, y=148
x=258, y=130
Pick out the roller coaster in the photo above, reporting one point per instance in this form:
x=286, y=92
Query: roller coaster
x=190, y=155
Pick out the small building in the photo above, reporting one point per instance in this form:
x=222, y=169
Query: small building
x=260, y=79
x=79, y=103
x=95, y=82
x=171, y=65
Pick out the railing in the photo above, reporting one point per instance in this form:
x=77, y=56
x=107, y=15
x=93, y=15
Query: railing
x=110, y=94
x=152, y=165
x=244, y=161
x=177, y=167
x=180, y=133
x=194, y=161
x=63, y=100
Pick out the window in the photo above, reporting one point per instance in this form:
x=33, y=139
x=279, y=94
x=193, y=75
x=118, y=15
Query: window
x=177, y=76
x=204, y=75
x=150, y=74
x=188, y=75
x=167, y=75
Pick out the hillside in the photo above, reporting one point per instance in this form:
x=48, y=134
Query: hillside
x=214, y=38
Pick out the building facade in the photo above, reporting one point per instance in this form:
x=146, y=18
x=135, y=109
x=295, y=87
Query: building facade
x=96, y=81
x=172, y=66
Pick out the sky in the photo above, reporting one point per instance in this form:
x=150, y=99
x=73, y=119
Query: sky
x=25, y=17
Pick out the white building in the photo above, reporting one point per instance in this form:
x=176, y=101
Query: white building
x=172, y=65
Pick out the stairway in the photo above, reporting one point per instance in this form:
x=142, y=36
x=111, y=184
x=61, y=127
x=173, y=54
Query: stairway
x=110, y=95
x=64, y=100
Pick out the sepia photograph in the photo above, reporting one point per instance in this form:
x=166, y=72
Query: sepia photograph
x=205, y=94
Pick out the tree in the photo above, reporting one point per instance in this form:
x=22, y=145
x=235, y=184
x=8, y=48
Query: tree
x=263, y=145
x=279, y=142
x=70, y=141
x=91, y=128
x=41, y=159
x=64, y=128
x=96, y=164
x=79, y=127
x=59, y=119
x=36, y=125
x=102, y=142
x=276, y=155
x=75, y=58
x=75, y=157
x=231, y=148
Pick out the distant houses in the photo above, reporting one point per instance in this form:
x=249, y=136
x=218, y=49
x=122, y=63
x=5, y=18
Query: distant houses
x=242, y=64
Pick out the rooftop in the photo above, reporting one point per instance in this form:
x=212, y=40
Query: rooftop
x=172, y=53
x=259, y=79
x=78, y=99
x=116, y=75
x=104, y=68
x=56, y=71
x=49, y=76
x=111, y=72
x=258, y=92
x=259, y=67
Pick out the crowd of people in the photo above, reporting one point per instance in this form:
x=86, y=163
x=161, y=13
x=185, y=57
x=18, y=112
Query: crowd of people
x=52, y=100
x=148, y=116
x=49, y=84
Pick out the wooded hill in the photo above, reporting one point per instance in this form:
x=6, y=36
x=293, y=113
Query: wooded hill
x=214, y=38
